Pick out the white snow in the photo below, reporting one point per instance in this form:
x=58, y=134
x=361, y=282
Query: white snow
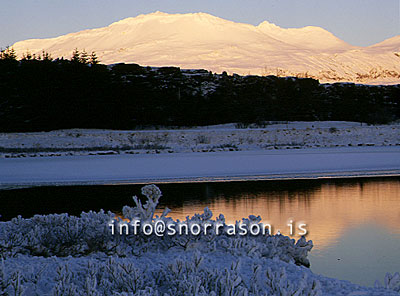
x=179, y=167
x=291, y=135
x=200, y=40
x=211, y=153
x=217, y=266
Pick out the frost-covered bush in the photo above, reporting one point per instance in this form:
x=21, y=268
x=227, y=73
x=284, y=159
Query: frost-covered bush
x=167, y=274
x=67, y=255
x=391, y=282
x=55, y=235
x=63, y=235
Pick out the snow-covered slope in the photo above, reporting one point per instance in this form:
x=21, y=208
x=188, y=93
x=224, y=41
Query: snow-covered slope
x=200, y=40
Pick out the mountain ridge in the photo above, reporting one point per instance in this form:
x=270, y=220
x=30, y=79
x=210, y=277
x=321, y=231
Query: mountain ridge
x=201, y=40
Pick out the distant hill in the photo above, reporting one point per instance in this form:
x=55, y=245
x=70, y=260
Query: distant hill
x=200, y=40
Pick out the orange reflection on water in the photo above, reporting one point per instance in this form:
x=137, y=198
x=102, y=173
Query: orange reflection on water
x=328, y=210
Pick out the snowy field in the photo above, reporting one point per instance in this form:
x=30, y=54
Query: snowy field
x=293, y=135
x=213, y=153
x=66, y=255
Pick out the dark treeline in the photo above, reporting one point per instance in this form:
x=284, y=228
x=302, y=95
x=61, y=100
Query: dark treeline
x=38, y=93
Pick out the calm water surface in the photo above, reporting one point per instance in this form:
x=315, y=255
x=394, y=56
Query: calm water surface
x=354, y=223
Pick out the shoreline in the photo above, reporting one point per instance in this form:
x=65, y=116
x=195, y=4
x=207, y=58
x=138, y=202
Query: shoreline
x=277, y=136
x=221, y=179
x=204, y=167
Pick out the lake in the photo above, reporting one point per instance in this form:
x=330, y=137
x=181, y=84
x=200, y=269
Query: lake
x=354, y=223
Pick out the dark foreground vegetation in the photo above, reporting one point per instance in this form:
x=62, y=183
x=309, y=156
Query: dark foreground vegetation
x=38, y=93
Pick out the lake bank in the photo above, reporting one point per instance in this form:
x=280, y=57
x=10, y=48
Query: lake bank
x=201, y=167
x=204, y=139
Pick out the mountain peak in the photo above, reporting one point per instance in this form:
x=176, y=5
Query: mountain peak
x=268, y=25
x=201, y=40
x=170, y=16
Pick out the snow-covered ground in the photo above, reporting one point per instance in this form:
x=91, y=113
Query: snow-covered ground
x=174, y=272
x=65, y=255
x=281, y=150
x=293, y=135
x=218, y=166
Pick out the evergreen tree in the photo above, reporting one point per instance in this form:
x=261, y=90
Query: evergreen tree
x=27, y=56
x=8, y=54
x=93, y=59
x=75, y=56
x=46, y=56
x=83, y=59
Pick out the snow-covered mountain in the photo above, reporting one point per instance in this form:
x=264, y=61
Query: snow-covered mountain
x=200, y=40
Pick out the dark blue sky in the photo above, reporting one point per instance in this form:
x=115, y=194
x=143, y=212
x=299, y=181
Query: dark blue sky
x=359, y=22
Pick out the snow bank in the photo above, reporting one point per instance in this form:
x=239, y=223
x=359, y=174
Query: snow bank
x=228, y=137
x=184, y=167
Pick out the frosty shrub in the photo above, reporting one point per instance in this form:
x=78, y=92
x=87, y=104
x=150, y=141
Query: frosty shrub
x=391, y=282
x=55, y=235
x=64, y=235
x=68, y=255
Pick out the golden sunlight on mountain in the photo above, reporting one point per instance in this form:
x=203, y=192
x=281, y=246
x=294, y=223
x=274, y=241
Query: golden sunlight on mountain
x=203, y=41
